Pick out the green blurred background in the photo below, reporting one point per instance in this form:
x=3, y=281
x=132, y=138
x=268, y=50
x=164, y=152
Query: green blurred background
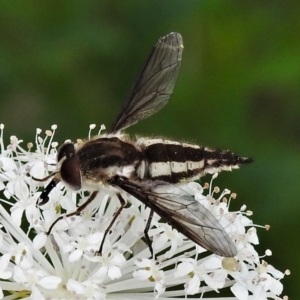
x=72, y=63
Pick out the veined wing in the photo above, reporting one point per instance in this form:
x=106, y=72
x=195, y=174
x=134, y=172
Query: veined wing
x=183, y=213
x=155, y=83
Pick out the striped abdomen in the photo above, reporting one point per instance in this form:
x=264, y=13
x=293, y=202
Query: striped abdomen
x=174, y=162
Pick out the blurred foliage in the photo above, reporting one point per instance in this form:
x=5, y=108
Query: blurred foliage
x=71, y=63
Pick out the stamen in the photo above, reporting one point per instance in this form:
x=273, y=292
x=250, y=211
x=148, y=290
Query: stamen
x=29, y=146
x=102, y=127
x=92, y=126
x=1, y=138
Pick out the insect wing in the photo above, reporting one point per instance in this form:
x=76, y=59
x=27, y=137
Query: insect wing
x=183, y=213
x=155, y=83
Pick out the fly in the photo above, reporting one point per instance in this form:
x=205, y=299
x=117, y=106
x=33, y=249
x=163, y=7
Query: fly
x=150, y=169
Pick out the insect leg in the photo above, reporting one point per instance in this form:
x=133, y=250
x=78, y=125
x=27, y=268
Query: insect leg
x=117, y=213
x=146, y=232
x=42, y=179
x=43, y=199
x=76, y=212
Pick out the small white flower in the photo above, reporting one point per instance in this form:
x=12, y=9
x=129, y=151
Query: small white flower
x=149, y=270
x=4, y=262
x=66, y=264
x=86, y=289
x=110, y=265
x=89, y=244
x=167, y=234
x=209, y=270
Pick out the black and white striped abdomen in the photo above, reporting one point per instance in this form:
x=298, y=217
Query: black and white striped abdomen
x=174, y=162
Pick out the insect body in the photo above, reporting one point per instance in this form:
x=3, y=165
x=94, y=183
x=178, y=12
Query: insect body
x=149, y=169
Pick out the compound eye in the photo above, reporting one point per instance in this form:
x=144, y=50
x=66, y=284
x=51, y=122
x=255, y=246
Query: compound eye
x=70, y=173
x=66, y=150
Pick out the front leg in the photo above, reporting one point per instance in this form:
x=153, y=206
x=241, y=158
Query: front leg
x=76, y=212
x=117, y=213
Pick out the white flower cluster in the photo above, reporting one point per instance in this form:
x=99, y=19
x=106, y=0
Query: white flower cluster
x=63, y=265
